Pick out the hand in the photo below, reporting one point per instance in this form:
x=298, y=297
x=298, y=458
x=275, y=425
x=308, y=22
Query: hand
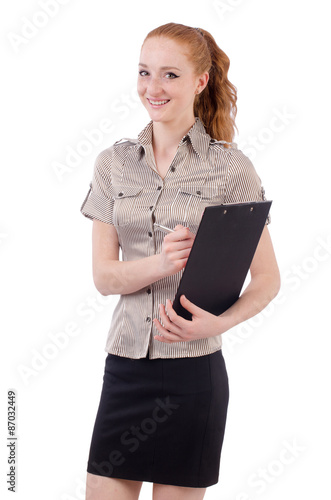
x=176, y=249
x=178, y=329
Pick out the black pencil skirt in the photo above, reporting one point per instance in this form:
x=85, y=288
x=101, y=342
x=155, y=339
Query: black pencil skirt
x=161, y=420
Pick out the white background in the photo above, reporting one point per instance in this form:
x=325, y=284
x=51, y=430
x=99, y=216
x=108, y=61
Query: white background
x=81, y=68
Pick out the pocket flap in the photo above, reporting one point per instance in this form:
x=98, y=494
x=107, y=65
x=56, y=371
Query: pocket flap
x=125, y=191
x=203, y=192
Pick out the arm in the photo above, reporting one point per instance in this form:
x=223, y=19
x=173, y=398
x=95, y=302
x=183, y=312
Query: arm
x=244, y=184
x=263, y=287
x=112, y=276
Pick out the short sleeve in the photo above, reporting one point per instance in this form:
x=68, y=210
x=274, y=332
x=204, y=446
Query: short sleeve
x=98, y=203
x=243, y=183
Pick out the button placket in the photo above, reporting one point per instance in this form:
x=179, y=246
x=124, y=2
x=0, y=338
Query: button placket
x=153, y=207
x=149, y=311
x=179, y=159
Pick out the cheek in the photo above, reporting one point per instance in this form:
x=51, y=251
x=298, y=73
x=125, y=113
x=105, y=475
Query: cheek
x=188, y=98
x=186, y=92
x=141, y=88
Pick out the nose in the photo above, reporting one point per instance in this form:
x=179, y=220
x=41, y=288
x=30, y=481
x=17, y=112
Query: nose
x=154, y=87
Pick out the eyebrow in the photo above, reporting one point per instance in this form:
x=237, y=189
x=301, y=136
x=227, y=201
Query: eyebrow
x=162, y=67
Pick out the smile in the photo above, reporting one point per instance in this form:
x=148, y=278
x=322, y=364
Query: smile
x=158, y=103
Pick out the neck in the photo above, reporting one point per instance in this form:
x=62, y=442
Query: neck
x=167, y=135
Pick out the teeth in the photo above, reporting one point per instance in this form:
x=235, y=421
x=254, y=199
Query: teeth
x=158, y=103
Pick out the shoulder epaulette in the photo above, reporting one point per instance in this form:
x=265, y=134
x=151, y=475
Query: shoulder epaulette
x=126, y=140
x=233, y=145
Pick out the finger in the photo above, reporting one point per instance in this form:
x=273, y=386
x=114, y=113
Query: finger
x=189, y=232
x=179, y=246
x=182, y=254
x=168, y=325
x=192, y=308
x=183, y=233
x=167, y=336
x=177, y=320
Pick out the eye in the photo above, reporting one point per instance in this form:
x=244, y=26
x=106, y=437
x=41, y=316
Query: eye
x=170, y=76
x=143, y=73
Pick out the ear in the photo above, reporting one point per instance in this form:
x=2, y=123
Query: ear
x=202, y=82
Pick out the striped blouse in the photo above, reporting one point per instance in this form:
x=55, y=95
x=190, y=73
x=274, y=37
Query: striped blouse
x=127, y=191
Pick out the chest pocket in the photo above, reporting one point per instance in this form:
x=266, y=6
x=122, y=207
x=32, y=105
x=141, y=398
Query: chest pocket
x=189, y=204
x=125, y=202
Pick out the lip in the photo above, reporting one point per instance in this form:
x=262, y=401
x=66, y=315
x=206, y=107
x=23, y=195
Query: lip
x=157, y=106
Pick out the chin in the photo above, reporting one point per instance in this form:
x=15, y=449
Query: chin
x=156, y=116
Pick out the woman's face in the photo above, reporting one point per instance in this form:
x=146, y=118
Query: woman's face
x=167, y=83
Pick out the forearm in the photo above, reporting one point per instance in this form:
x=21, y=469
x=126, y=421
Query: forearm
x=124, y=277
x=261, y=290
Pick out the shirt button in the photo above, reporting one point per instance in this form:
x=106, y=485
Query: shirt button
x=159, y=187
x=120, y=194
x=148, y=290
x=150, y=234
x=198, y=192
x=172, y=169
x=148, y=319
x=151, y=208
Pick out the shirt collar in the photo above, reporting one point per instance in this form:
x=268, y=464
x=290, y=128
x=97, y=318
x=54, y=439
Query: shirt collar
x=197, y=134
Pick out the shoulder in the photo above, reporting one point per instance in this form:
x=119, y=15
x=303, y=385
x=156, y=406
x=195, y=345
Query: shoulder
x=240, y=163
x=119, y=148
x=120, y=145
x=229, y=153
x=124, y=145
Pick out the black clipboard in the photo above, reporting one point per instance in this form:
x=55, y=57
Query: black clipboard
x=221, y=255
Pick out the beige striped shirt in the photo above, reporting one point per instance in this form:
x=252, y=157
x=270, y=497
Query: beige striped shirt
x=127, y=191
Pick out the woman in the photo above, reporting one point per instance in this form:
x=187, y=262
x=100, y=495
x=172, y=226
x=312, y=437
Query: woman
x=164, y=399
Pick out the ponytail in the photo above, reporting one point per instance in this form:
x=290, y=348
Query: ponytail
x=216, y=104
